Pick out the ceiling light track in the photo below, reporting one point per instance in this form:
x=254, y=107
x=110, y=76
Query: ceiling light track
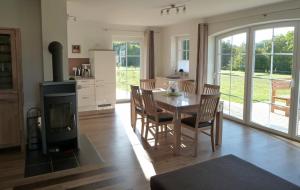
x=173, y=9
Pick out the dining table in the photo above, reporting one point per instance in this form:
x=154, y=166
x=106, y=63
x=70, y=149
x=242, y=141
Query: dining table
x=178, y=105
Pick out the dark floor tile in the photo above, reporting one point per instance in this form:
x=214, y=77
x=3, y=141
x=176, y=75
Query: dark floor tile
x=37, y=169
x=36, y=157
x=64, y=164
x=62, y=155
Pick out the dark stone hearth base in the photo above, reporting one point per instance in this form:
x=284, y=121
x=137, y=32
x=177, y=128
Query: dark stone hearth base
x=37, y=163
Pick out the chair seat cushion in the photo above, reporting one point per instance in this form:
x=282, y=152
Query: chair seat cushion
x=139, y=110
x=191, y=121
x=162, y=117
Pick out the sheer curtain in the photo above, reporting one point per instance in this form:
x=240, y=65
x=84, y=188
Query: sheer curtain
x=202, y=45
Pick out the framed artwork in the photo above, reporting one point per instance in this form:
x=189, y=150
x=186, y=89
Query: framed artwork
x=75, y=48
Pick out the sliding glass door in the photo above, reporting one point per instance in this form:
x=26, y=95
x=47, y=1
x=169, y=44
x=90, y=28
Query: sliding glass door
x=128, y=64
x=232, y=57
x=257, y=71
x=272, y=77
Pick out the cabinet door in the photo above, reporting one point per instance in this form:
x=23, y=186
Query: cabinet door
x=11, y=95
x=110, y=93
x=105, y=66
x=7, y=60
x=86, y=95
x=99, y=93
x=9, y=133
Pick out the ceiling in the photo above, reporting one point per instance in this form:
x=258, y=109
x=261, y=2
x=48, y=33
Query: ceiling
x=147, y=12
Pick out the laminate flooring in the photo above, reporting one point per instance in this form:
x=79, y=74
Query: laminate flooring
x=135, y=161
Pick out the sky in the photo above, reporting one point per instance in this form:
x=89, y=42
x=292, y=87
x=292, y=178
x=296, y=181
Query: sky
x=260, y=35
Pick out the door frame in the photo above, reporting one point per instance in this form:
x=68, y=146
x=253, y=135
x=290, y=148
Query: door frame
x=218, y=66
x=140, y=40
x=293, y=119
x=251, y=71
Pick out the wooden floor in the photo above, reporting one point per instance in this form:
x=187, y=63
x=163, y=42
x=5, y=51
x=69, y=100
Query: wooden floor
x=135, y=162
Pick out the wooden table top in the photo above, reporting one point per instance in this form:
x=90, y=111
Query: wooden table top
x=185, y=102
x=182, y=102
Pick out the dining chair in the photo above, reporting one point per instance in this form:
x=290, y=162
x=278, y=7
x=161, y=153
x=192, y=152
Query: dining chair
x=147, y=84
x=188, y=86
x=138, y=106
x=159, y=120
x=204, y=120
x=211, y=89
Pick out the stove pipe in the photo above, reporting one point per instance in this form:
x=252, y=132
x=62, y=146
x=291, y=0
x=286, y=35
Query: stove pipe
x=56, y=49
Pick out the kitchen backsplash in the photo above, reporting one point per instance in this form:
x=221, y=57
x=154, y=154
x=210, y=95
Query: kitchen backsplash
x=76, y=62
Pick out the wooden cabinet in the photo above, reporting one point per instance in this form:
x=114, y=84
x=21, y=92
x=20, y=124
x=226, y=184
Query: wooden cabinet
x=11, y=94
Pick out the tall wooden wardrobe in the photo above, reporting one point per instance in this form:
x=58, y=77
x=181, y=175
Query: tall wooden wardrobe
x=11, y=93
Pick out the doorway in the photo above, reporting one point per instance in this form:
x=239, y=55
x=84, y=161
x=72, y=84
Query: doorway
x=128, y=67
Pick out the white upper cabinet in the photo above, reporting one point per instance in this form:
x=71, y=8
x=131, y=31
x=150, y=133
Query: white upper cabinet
x=103, y=65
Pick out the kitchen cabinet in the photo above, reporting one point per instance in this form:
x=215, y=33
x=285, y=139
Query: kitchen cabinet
x=86, y=94
x=99, y=92
x=103, y=68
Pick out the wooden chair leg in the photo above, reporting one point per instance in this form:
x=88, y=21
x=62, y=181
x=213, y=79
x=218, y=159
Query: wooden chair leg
x=196, y=143
x=147, y=129
x=143, y=126
x=272, y=105
x=134, y=127
x=166, y=130
x=212, y=138
x=156, y=136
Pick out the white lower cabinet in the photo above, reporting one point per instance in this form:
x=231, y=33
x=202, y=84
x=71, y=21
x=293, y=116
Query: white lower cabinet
x=95, y=95
x=105, y=94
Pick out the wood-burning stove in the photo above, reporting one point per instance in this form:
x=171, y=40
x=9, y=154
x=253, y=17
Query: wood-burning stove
x=59, y=108
x=59, y=114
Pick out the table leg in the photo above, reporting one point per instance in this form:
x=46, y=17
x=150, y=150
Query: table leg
x=219, y=127
x=132, y=114
x=177, y=132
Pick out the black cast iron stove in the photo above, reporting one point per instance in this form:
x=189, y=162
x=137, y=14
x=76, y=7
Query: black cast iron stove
x=59, y=108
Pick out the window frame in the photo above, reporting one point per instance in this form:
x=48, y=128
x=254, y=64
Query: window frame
x=218, y=67
x=180, y=51
x=249, y=69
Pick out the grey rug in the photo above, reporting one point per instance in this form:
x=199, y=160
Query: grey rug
x=224, y=173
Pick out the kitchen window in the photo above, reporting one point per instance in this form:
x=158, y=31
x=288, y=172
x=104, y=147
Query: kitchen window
x=183, y=54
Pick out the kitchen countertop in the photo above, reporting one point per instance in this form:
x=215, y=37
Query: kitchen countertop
x=82, y=78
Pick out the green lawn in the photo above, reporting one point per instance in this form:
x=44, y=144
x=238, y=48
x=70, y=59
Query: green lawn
x=126, y=77
x=261, y=83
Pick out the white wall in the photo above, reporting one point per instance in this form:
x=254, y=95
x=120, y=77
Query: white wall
x=168, y=43
x=95, y=35
x=26, y=15
x=270, y=13
x=54, y=28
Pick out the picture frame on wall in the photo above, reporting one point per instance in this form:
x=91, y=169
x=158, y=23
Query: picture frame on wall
x=76, y=49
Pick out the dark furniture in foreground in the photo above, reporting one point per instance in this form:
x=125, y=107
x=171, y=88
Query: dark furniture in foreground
x=224, y=173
